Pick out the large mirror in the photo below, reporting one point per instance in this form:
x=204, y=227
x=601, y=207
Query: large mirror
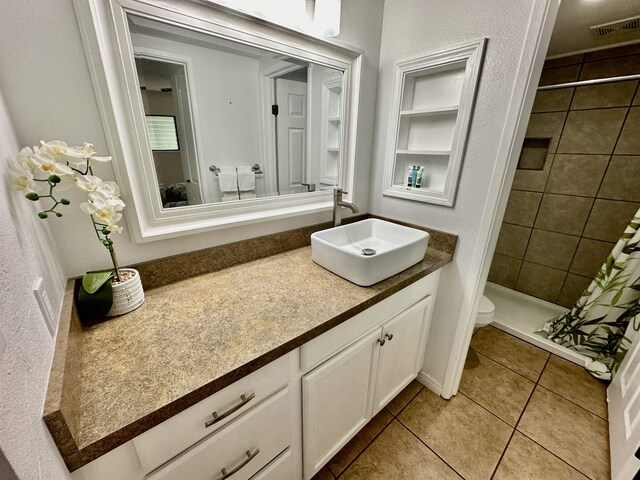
x=215, y=119
x=227, y=122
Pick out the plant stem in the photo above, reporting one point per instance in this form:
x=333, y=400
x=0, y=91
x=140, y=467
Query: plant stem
x=108, y=243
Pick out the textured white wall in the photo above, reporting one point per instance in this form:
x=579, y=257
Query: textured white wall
x=50, y=95
x=27, y=251
x=414, y=27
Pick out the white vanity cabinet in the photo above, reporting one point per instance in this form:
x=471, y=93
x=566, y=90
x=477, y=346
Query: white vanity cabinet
x=286, y=420
x=342, y=394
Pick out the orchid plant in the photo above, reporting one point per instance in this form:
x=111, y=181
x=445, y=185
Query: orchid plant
x=43, y=171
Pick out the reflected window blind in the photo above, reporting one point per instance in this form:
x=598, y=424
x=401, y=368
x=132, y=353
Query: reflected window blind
x=162, y=132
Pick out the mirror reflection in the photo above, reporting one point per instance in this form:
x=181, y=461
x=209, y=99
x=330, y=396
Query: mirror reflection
x=227, y=121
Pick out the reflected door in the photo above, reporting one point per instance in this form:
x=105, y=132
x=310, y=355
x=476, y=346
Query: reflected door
x=291, y=97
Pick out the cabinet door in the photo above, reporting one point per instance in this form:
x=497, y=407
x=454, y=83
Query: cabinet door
x=336, y=401
x=401, y=354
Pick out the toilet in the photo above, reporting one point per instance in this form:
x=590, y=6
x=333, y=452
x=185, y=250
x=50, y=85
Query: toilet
x=485, y=313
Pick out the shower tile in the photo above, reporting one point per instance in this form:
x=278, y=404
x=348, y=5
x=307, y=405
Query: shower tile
x=513, y=240
x=554, y=76
x=577, y=174
x=612, y=52
x=404, y=397
x=621, y=179
x=592, y=131
x=540, y=281
x=498, y=389
x=461, y=432
x=546, y=125
x=504, y=270
x=551, y=249
x=511, y=352
x=590, y=256
x=572, y=290
x=552, y=100
x=618, y=94
x=629, y=142
x=561, y=427
x=574, y=383
x=357, y=444
x=522, y=208
x=526, y=459
x=616, y=67
x=609, y=219
x=636, y=101
x=398, y=454
x=563, y=213
x=563, y=61
x=533, y=180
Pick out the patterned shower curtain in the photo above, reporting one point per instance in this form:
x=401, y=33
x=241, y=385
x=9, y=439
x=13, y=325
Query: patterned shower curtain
x=596, y=325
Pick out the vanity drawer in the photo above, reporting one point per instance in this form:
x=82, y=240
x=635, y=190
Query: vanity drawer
x=281, y=468
x=246, y=445
x=178, y=433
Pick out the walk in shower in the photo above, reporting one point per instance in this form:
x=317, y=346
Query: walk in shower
x=575, y=190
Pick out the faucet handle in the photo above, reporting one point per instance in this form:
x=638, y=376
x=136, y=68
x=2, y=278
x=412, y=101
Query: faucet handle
x=339, y=191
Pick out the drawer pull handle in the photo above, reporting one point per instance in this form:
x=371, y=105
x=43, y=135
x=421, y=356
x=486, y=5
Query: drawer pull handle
x=388, y=336
x=381, y=341
x=250, y=456
x=244, y=399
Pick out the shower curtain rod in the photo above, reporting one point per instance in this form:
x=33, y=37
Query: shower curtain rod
x=590, y=82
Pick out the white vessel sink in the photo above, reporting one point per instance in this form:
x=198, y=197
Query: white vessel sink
x=368, y=251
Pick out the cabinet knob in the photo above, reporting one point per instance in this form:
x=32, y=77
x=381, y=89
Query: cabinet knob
x=388, y=336
x=381, y=341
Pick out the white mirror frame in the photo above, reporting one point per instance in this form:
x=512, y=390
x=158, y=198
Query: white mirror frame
x=105, y=34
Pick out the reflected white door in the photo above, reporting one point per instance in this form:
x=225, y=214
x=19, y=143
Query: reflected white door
x=291, y=98
x=188, y=151
x=624, y=415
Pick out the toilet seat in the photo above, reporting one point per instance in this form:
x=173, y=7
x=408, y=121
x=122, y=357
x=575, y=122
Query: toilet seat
x=486, y=311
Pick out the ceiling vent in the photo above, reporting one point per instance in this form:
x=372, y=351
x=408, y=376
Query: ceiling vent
x=619, y=26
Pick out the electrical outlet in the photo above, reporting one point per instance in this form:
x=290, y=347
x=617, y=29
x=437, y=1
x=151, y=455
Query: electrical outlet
x=44, y=304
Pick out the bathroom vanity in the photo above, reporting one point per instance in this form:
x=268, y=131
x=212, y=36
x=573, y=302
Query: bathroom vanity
x=263, y=369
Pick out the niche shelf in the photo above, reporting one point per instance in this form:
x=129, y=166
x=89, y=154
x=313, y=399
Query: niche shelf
x=331, y=129
x=432, y=104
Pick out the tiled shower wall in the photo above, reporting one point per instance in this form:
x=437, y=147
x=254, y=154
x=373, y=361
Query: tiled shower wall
x=563, y=220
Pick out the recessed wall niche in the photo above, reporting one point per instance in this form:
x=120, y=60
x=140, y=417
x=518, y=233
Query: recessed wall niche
x=534, y=153
x=432, y=104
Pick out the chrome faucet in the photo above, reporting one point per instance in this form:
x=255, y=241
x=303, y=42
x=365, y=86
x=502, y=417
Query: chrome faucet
x=338, y=203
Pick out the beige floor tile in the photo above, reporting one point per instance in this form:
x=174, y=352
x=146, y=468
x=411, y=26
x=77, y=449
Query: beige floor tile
x=510, y=352
x=498, y=389
x=574, y=383
x=396, y=454
x=465, y=435
x=357, y=444
x=526, y=460
x=323, y=474
x=404, y=397
x=568, y=431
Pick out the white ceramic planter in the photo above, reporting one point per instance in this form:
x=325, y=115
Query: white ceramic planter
x=127, y=296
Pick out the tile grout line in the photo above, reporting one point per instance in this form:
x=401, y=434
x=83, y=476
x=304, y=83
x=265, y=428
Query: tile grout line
x=515, y=428
x=430, y=449
x=393, y=417
x=573, y=403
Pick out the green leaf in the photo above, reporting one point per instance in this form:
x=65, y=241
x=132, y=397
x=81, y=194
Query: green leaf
x=94, y=306
x=92, y=281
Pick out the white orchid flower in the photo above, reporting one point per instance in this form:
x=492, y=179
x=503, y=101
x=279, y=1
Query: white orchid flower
x=60, y=151
x=114, y=228
x=88, y=152
x=47, y=164
x=22, y=179
x=24, y=158
x=103, y=209
x=89, y=183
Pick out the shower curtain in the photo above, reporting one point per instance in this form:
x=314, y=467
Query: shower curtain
x=596, y=325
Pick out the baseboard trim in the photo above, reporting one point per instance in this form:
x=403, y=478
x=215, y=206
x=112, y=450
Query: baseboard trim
x=425, y=379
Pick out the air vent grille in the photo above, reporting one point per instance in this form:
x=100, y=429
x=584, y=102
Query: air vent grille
x=619, y=26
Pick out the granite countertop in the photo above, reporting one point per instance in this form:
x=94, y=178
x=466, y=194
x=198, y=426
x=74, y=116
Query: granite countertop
x=191, y=338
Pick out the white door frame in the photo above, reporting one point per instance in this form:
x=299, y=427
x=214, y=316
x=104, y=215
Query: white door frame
x=267, y=130
x=536, y=45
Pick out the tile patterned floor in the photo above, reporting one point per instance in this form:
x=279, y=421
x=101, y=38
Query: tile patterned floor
x=521, y=413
